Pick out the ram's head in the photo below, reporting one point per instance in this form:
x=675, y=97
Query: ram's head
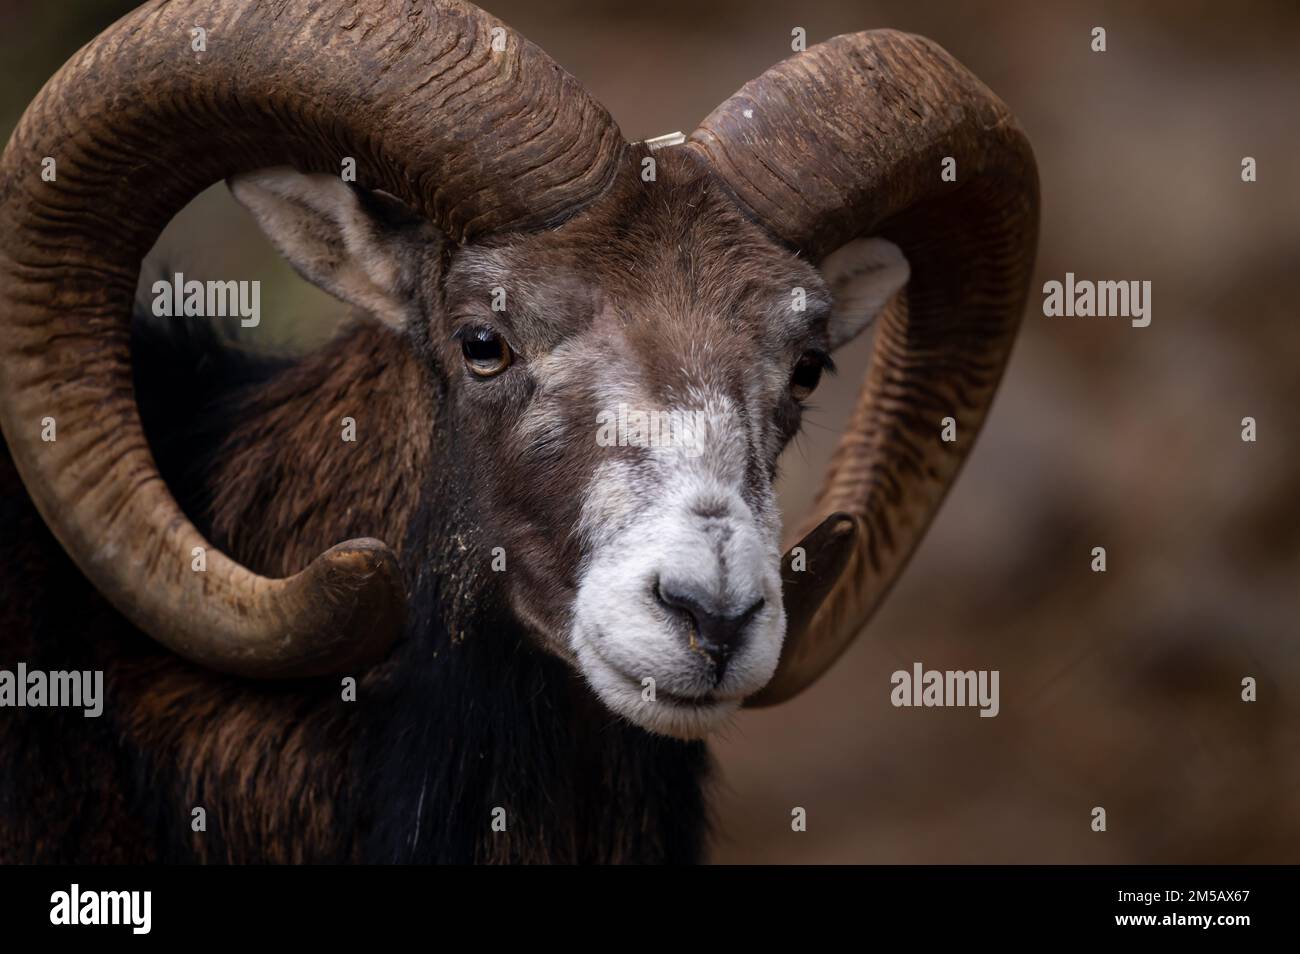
x=623, y=336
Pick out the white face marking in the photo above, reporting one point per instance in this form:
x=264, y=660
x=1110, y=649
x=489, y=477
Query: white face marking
x=677, y=522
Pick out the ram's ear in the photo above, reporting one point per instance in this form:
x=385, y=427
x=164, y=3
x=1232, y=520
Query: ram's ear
x=862, y=276
x=365, y=248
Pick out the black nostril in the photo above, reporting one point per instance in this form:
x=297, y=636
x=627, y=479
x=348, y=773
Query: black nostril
x=677, y=598
x=715, y=634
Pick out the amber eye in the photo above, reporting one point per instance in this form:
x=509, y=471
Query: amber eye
x=486, y=352
x=807, y=374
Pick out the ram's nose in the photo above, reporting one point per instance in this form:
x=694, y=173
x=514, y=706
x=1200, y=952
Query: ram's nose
x=712, y=627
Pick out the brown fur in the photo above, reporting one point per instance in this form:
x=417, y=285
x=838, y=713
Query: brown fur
x=280, y=509
x=273, y=765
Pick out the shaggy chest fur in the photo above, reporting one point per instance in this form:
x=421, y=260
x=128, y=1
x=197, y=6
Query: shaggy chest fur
x=467, y=745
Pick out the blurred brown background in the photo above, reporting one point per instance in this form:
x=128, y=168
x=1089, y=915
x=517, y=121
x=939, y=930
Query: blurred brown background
x=1119, y=689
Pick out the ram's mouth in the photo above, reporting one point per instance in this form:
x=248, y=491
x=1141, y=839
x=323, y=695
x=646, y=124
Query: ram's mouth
x=674, y=714
x=701, y=703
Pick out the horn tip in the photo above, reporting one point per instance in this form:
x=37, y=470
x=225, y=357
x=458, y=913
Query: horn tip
x=363, y=580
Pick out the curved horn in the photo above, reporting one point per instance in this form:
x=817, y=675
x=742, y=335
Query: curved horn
x=477, y=135
x=847, y=140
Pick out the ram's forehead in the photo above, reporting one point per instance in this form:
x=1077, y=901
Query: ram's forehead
x=539, y=303
x=701, y=301
x=675, y=252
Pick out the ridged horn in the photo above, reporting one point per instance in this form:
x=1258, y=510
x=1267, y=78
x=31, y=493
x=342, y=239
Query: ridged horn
x=847, y=140
x=438, y=103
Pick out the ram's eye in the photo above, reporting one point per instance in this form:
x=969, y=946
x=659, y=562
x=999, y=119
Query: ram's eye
x=807, y=374
x=486, y=352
